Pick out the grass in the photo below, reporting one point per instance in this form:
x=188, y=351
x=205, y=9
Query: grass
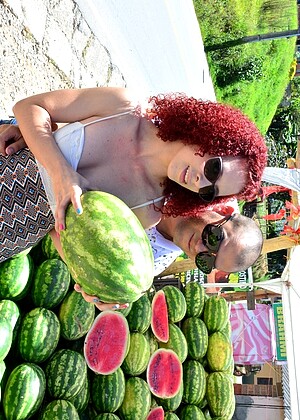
x=251, y=76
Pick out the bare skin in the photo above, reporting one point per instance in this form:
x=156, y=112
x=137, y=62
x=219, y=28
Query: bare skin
x=122, y=156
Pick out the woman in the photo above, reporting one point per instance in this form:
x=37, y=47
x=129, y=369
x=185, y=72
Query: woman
x=157, y=159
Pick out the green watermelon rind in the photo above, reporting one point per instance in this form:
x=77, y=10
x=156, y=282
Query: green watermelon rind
x=216, y=313
x=194, y=382
x=194, y=294
x=66, y=372
x=139, y=317
x=220, y=394
x=15, y=277
x=137, y=358
x=176, y=303
x=137, y=399
x=24, y=391
x=107, y=249
x=196, y=335
x=60, y=409
x=51, y=282
x=75, y=315
x=6, y=335
x=176, y=342
x=219, y=352
x=108, y=391
x=38, y=335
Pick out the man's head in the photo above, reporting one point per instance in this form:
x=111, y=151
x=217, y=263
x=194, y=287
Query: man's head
x=239, y=249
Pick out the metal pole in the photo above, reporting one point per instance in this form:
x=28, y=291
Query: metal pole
x=253, y=38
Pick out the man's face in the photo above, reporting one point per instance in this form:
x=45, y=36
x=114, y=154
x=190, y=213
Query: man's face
x=188, y=236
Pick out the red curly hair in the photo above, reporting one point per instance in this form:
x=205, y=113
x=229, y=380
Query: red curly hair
x=218, y=130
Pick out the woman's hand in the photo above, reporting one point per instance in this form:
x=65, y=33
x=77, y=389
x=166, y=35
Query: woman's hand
x=100, y=305
x=11, y=139
x=68, y=186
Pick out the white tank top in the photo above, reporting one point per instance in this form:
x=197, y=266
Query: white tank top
x=70, y=140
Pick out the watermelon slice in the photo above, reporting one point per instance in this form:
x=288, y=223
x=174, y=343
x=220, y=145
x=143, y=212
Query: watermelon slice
x=159, y=317
x=157, y=413
x=164, y=373
x=107, y=342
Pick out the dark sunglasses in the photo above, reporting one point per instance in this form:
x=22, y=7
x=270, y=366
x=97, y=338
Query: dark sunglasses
x=213, y=169
x=212, y=236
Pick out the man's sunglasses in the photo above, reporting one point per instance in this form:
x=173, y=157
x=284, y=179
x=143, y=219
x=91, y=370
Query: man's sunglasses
x=213, y=169
x=212, y=236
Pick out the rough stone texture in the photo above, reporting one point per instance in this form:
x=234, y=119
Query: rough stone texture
x=47, y=45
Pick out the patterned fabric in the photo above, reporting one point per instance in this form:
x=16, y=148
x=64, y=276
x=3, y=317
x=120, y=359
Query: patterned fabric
x=25, y=215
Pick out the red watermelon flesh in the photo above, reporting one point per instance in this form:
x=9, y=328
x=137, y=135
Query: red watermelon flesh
x=164, y=373
x=159, y=317
x=107, y=342
x=157, y=413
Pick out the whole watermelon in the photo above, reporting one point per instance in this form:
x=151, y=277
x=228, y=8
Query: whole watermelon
x=107, y=250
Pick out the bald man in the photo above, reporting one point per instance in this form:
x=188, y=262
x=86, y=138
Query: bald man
x=239, y=244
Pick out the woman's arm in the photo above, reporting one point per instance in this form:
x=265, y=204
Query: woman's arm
x=35, y=115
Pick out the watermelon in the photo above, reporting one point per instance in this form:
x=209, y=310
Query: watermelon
x=138, y=356
x=159, y=317
x=107, y=416
x=60, y=410
x=65, y=373
x=89, y=413
x=82, y=398
x=139, y=317
x=15, y=277
x=215, y=314
x=107, y=342
x=176, y=342
x=175, y=302
x=108, y=391
x=196, y=335
x=194, y=295
x=10, y=311
x=50, y=283
x=38, y=335
x=164, y=373
x=6, y=335
x=194, y=382
x=153, y=343
x=48, y=248
x=220, y=394
x=219, y=352
x=107, y=250
x=75, y=315
x=171, y=404
x=157, y=413
x=191, y=411
x=125, y=311
x=137, y=400
x=24, y=391
x=171, y=416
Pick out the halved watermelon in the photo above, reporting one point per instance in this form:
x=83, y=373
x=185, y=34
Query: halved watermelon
x=107, y=342
x=157, y=413
x=164, y=373
x=159, y=317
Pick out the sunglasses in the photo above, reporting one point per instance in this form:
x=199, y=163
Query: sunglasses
x=213, y=169
x=212, y=236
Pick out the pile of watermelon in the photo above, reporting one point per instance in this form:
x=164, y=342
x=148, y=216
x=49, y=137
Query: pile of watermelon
x=167, y=356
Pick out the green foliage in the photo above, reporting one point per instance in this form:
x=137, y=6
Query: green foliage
x=251, y=76
x=282, y=135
